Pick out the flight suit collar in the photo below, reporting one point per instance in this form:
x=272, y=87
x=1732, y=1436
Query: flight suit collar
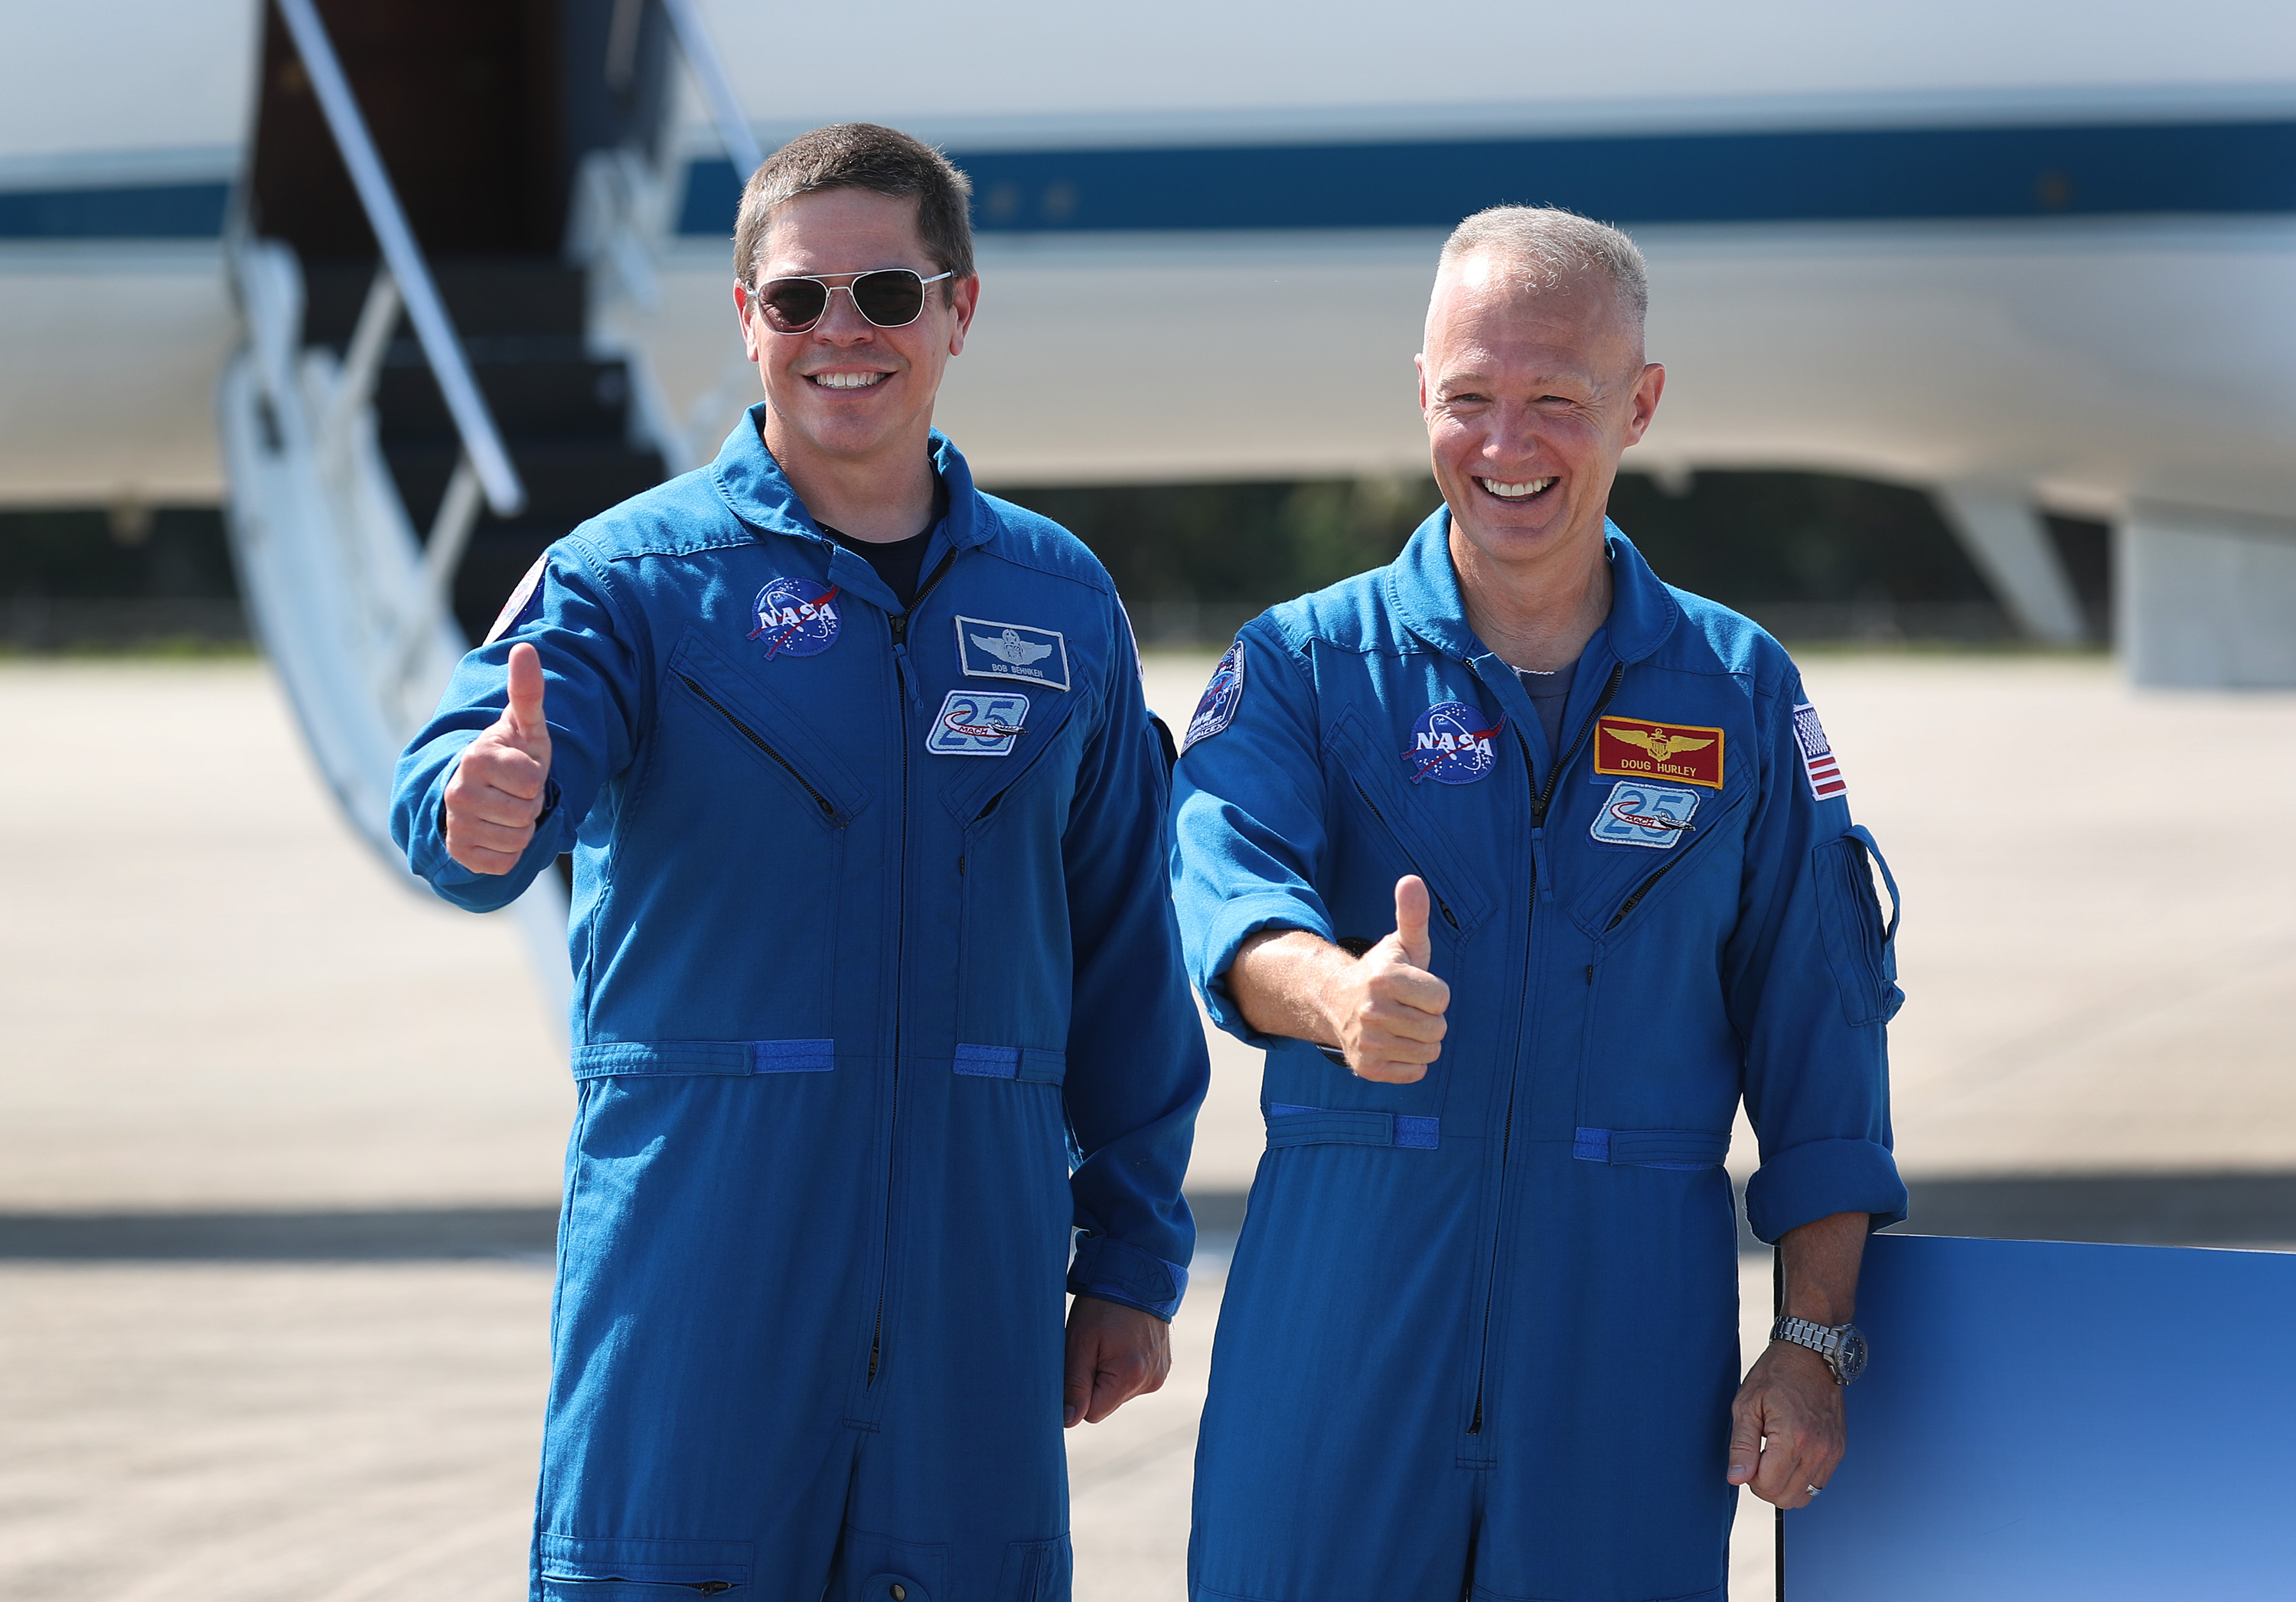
x=1424, y=590
x=759, y=493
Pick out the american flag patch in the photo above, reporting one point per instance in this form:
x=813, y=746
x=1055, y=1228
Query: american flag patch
x=1825, y=780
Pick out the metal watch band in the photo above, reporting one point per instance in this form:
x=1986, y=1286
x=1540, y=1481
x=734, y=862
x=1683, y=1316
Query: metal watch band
x=1819, y=1338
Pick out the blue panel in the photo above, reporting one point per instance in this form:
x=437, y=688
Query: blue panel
x=1852, y=174
x=2050, y=1420
x=150, y=211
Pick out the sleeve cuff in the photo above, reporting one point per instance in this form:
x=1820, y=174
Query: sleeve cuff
x=1115, y=1272
x=1805, y=1183
x=1236, y=922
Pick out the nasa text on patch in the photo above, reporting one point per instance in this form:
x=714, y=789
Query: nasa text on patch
x=1013, y=651
x=1817, y=759
x=1222, y=695
x=795, y=617
x=1636, y=813
x=1638, y=748
x=978, y=723
x=1450, y=745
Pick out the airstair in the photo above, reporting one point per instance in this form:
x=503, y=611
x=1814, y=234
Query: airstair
x=405, y=431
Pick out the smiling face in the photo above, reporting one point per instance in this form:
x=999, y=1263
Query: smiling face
x=1530, y=396
x=846, y=392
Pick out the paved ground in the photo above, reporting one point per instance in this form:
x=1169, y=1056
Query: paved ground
x=217, y=1005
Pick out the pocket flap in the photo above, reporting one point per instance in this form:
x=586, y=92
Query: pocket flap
x=717, y=1564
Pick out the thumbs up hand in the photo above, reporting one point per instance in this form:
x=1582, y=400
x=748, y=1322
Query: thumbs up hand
x=496, y=792
x=1386, y=1009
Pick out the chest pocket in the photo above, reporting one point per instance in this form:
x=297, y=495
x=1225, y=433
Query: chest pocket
x=706, y=688
x=1012, y=933
x=1368, y=784
x=1627, y=884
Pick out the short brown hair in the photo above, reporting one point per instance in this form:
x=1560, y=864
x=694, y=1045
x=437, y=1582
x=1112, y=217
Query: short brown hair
x=862, y=155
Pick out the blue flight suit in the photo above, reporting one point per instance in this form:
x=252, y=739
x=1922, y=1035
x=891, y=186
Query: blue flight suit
x=1482, y=1329
x=872, y=949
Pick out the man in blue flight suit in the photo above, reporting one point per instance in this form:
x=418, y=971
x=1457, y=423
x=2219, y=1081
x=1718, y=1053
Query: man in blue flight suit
x=872, y=946
x=1525, y=868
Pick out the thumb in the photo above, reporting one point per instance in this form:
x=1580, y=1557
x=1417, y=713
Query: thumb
x=1745, y=1444
x=1411, y=920
x=526, y=728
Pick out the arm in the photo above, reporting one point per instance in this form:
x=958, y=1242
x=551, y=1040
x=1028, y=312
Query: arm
x=1787, y=1434
x=1383, y=1010
x=481, y=835
x=1137, y=1067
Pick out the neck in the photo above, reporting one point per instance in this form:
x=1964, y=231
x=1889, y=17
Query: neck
x=1536, y=614
x=885, y=495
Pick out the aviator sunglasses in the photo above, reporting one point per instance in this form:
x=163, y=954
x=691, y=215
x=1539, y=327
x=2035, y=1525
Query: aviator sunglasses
x=889, y=297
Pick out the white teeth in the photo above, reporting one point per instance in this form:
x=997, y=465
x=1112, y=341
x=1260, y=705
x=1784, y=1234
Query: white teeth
x=1515, y=492
x=846, y=381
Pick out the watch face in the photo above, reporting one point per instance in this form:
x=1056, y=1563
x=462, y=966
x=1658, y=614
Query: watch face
x=1852, y=1353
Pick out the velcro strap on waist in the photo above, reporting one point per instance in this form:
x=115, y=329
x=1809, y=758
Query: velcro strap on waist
x=611, y=1058
x=1650, y=1149
x=1029, y=1065
x=1290, y=1125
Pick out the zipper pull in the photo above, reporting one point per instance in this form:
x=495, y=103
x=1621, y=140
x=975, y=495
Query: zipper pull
x=901, y=667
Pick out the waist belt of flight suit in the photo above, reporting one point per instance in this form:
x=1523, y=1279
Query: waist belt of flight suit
x=1289, y=1125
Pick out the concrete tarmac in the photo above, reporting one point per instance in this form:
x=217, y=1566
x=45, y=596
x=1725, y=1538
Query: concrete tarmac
x=261, y=1105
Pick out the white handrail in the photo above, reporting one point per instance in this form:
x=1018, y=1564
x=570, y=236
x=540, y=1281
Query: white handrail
x=702, y=55
x=473, y=420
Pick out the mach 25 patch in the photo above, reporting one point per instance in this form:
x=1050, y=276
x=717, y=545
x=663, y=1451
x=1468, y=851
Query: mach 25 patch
x=1636, y=748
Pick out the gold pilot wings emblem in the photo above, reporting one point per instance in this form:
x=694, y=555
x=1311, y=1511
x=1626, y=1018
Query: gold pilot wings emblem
x=1643, y=748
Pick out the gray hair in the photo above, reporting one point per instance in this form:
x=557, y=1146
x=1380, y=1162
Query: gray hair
x=1553, y=244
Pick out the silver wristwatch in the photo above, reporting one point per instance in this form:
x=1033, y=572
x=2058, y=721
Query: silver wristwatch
x=1842, y=1345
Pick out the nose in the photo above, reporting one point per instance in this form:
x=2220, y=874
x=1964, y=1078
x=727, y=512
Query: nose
x=841, y=322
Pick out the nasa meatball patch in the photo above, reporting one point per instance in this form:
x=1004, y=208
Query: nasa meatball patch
x=795, y=617
x=986, y=650
x=1221, y=697
x=1450, y=745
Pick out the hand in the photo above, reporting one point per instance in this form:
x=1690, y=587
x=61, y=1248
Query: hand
x=1786, y=1426
x=1386, y=1009
x=496, y=792
x=1115, y=1353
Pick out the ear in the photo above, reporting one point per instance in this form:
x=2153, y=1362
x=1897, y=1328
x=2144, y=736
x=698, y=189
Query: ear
x=750, y=336
x=1648, y=388
x=963, y=300
x=1419, y=364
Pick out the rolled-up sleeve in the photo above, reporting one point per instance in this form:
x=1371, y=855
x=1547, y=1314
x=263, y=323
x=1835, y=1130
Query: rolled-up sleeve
x=1811, y=978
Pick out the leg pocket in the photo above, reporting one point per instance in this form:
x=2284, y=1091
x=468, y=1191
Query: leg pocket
x=1036, y=1571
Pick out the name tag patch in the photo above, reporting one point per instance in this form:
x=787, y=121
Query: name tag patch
x=1222, y=695
x=978, y=723
x=1637, y=748
x=1450, y=745
x=796, y=617
x=1647, y=815
x=1817, y=759
x=987, y=650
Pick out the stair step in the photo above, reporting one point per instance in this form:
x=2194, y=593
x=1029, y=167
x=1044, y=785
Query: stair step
x=566, y=397
x=566, y=480
x=530, y=295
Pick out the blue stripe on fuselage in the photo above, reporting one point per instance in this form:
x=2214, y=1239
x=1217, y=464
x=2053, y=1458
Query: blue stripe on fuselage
x=1843, y=175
